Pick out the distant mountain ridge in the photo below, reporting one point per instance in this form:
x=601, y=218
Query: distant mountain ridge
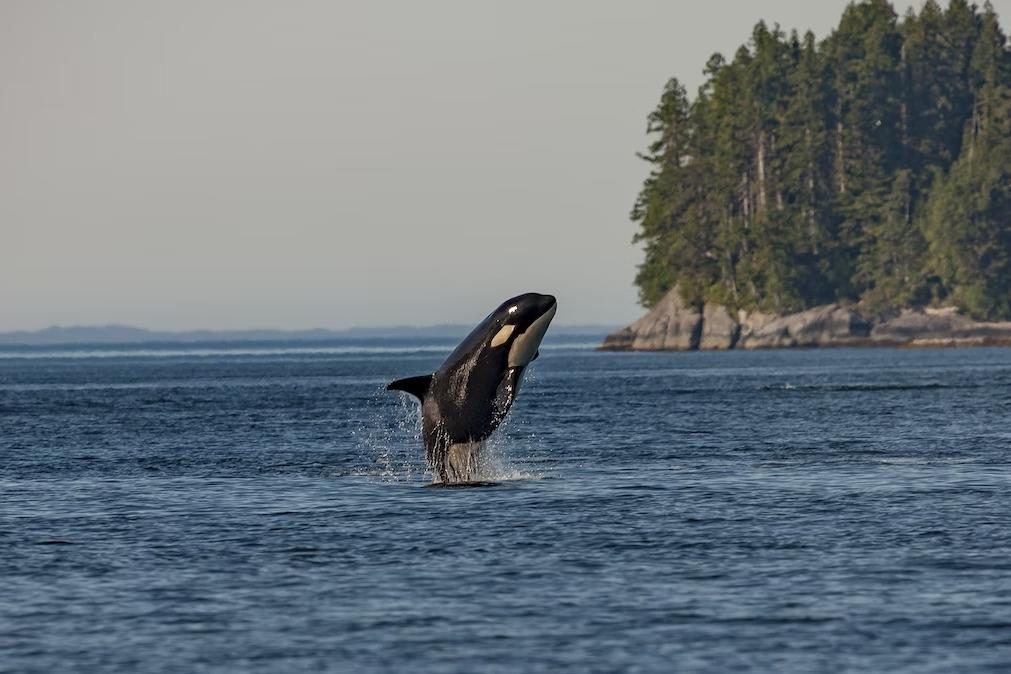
x=126, y=334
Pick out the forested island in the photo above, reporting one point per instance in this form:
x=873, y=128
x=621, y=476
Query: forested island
x=868, y=173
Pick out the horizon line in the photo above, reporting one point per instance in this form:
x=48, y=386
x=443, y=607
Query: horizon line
x=380, y=326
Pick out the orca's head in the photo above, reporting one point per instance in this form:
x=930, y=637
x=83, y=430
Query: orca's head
x=518, y=326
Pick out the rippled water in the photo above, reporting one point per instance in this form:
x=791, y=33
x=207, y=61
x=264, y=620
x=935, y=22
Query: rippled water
x=266, y=510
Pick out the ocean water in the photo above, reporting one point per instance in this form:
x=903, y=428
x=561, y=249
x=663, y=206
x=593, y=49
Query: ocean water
x=234, y=508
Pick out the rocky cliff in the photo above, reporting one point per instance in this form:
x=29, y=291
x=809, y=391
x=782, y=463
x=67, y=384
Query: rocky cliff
x=674, y=325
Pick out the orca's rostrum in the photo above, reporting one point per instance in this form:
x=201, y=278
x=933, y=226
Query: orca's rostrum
x=467, y=398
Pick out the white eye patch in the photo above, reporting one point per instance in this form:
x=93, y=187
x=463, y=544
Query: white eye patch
x=502, y=336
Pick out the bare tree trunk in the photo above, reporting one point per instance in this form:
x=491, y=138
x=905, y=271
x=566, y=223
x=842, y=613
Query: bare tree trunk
x=975, y=127
x=811, y=198
x=840, y=157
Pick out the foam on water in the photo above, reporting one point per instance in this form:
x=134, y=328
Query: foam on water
x=389, y=438
x=393, y=450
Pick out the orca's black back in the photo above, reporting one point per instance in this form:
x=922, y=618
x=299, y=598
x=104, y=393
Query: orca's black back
x=470, y=393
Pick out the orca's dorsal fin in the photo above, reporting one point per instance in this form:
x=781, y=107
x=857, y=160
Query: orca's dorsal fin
x=416, y=386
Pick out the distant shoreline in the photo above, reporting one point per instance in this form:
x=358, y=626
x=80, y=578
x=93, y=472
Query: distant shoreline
x=112, y=335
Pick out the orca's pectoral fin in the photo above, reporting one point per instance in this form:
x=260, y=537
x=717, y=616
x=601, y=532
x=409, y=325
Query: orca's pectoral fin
x=416, y=386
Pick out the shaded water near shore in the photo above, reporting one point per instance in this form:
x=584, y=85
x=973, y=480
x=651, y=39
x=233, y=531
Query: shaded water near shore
x=265, y=509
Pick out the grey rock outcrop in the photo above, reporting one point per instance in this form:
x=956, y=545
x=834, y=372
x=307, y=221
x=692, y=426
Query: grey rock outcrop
x=944, y=327
x=719, y=330
x=830, y=324
x=673, y=325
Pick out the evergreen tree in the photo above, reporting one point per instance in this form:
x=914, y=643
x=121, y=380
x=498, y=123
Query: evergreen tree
x=675, y=242
x=874, y=167
x=969, y=221
x=805, y=173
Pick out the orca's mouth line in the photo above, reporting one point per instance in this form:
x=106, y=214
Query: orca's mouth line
x=549, y=313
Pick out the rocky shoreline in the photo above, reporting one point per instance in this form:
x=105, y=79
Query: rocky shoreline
x=673, y=325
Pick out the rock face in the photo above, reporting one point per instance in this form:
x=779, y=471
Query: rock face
x=818, y=326
x=673, y=325
x=719, y=330
x=939, y=328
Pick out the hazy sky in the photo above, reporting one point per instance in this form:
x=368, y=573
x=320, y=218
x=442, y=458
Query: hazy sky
x=326, y=164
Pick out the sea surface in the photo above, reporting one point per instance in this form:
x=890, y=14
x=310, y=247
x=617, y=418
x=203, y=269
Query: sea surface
x=250, y=508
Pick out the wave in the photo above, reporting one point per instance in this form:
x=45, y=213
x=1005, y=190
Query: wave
x=912, y=386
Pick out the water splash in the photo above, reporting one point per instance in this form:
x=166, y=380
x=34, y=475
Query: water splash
x=497, y=466
x=391, y=447
x=506, y=452
x=389, y=439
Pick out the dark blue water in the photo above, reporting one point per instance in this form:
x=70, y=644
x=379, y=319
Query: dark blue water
x=267, y=511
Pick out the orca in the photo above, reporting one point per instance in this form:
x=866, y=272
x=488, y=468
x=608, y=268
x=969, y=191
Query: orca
x=467, y=398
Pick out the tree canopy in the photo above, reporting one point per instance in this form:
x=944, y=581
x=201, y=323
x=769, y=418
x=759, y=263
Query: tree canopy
x=873, y=166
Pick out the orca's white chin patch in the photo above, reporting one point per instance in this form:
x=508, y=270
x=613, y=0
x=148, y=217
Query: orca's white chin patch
x=524, y=347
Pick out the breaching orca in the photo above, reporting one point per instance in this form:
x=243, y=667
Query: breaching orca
x=469, y=395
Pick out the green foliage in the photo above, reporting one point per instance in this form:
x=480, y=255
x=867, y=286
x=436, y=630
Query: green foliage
x=874, y=166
